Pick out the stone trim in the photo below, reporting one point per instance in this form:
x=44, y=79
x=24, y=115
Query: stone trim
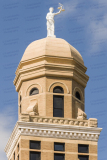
x=51, y=131
x=47, y=69
x=29, y=61
x=91, y=122
x=54, y=84
x=32, y=86
x=12, y=141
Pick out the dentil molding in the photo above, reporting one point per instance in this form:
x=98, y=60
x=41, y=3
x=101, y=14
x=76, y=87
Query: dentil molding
x=51, y=131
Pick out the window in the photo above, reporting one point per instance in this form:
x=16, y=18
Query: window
x=59, y=156
x=20, y=98
x=18, y=147
x=58, y=102
x=18, y=157
x=14, y=155
x=58, y=89
x=58, y=106
x=35, y=155
x=83, y=157
x=83, y=148
x=34, y=91
x=35, y=145
x=77, y=95
x=59, y=146
x=20, y=108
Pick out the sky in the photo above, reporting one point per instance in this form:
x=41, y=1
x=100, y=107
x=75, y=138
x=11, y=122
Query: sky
x=83, y=25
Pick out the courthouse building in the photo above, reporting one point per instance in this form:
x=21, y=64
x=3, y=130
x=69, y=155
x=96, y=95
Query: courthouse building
x=52, y=123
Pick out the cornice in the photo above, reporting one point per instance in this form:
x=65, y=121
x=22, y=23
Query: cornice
x=51, y=131
x=12, y=141
x=50, y=69
x=33, y=60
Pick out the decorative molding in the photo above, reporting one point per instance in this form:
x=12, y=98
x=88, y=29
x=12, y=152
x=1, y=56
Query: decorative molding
x=16, y=137
x=33, y=85
x=92, y=122
x=56, y=85
x=51, y=130
x=50, y=69
x=12, y=141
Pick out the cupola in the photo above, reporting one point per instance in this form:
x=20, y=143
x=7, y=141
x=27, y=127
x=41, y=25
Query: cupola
x=48, y=63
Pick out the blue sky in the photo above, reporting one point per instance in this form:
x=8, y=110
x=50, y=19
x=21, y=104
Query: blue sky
x=83, y=25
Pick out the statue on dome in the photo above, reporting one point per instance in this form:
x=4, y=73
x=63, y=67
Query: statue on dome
x=50, y=20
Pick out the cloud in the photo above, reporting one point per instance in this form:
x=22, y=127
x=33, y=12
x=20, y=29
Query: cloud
x=93, y=16
x=70, y=7
x=7, y=122
x=98, y=33
x=97, y=27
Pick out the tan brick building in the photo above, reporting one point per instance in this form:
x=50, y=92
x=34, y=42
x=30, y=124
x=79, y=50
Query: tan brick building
x=52, y=125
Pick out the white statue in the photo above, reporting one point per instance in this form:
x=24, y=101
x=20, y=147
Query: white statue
x=50, y=20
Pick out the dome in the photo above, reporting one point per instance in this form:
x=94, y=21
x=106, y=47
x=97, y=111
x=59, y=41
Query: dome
x=50, y=46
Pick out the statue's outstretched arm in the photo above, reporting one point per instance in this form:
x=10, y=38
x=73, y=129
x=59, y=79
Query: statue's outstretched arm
x=58, y=12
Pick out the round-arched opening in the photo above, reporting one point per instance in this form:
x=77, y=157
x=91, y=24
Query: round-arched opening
x=77, y=95
x=34, y=91
x=58, y=89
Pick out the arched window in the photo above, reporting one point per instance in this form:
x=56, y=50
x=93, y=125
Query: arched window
x=77, y=95
x=34, y=91
x=58, y=89
x=58, y=102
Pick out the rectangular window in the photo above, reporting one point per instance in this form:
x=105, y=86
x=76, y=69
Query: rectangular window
x=83, y=157
x=18, y=157
x=35, y=145
x=59, y=146
x=18, y=147
x=58, y=106
x=14, y=155
x=35, y=155
x=59, y=156
x=82, y=148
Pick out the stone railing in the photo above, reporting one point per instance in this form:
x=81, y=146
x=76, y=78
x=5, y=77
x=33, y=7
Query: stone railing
x=92, y=122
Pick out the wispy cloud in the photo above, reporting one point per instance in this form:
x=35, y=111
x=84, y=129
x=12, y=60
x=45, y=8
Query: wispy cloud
x=98, y=33
x=7, y=122
x=97, y=27
x=94, y=19
x=70, y=7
